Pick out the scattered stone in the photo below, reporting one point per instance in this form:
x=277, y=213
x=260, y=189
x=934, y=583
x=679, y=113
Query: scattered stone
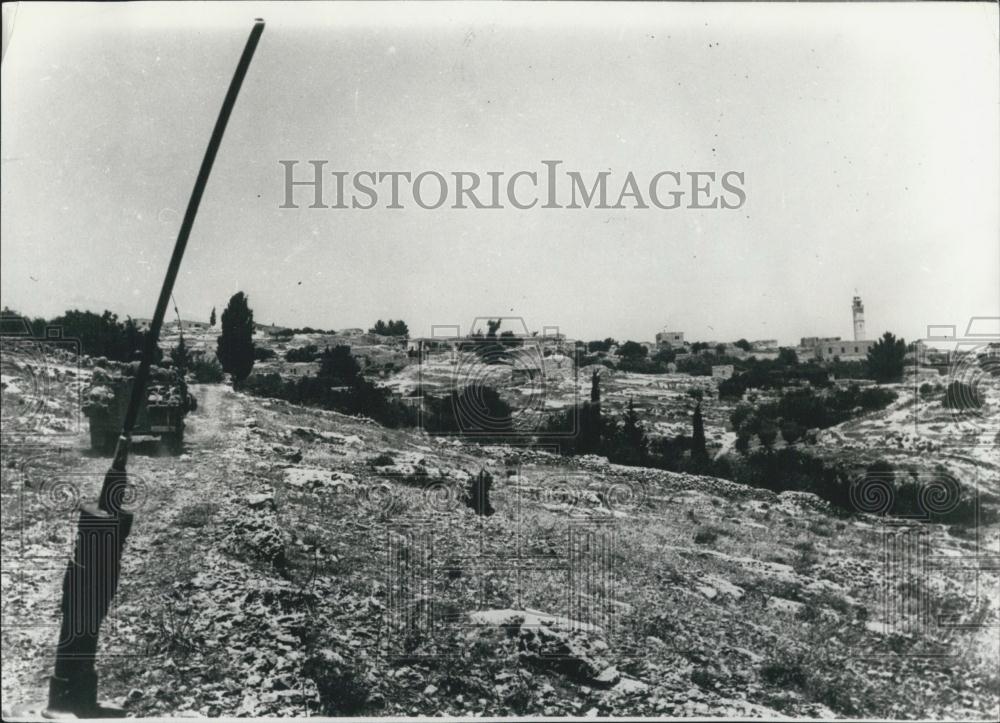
x=708, y=591
x=292, y=454
x=782, y=605
x=607, y=677
x=628, y=685
x=263, y=499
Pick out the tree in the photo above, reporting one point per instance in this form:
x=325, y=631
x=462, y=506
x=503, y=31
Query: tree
x=664, y=355
x=885, y=358
x=393, y=328
x=605, y=345
x=338, y=367
x=696, y=366
x=791, y=431
x=181, y=356
x=788, y=357
x=100, y=335
x=699, y=449
x=767, y=433
x=634, y=436
x=962, y=396
x=632, y=350
x=477, y=494
x=211, y=317
x=235, y=346
x=306, y=353
x=743, y=344
x=591, y=422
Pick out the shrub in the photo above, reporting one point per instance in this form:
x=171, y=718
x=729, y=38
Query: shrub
x=632, y=350
x=605, y=345
x=959, y=395
x=767, y=434
x=338, y=367
x=477, y=496
x=341, y=685
x=707, y=535
x=205, y=369
x=696, y=366
x=306, y=353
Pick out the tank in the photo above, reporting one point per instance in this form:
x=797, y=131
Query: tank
x=161, y=415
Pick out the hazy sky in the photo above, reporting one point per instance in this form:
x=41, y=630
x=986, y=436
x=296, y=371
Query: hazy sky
x=868, y=135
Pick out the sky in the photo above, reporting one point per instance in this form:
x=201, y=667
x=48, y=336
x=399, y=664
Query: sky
x=867, y=136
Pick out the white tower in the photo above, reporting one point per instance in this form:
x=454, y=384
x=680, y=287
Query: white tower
x=858, y=310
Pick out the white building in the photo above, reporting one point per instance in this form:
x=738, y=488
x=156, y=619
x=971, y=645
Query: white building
x=672, y=339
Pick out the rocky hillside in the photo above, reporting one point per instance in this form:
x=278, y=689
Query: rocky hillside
x=299, y=562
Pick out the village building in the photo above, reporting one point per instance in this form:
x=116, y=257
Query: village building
x=844, y=350
x=829, y=348
x=672, y=339
x=811, y=342
x=722, y=371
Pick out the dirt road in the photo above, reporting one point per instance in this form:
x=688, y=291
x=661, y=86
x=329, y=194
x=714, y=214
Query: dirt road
x=42, y=484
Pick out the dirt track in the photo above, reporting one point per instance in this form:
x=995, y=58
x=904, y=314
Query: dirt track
x=54, y=477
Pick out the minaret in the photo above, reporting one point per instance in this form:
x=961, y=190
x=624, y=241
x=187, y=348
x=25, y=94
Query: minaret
x=859, y=318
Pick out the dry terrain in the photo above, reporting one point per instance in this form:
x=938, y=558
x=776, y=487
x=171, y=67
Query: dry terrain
x=294, y=561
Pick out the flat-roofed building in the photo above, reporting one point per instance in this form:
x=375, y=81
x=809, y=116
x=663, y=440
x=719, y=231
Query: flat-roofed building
x=670, y=338
x=844, y=350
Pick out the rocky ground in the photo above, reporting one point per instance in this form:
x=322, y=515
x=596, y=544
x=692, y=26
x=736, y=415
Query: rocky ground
x=300, y=562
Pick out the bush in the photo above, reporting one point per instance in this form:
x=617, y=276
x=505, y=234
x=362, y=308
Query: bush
x=475, y=410
x=605, y=345
x=959, y=395
x=341, y=685
x=306, y=353
x=642, y=366
x=791, y=431
x=205, y=369
x=477, y=496
x=707, y=535
x=696, y=366
x=358, y=397
x=632, y=350
x=338, y=367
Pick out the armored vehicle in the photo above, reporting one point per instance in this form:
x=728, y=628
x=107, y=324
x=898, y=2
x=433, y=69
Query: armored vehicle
x=162, y=415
